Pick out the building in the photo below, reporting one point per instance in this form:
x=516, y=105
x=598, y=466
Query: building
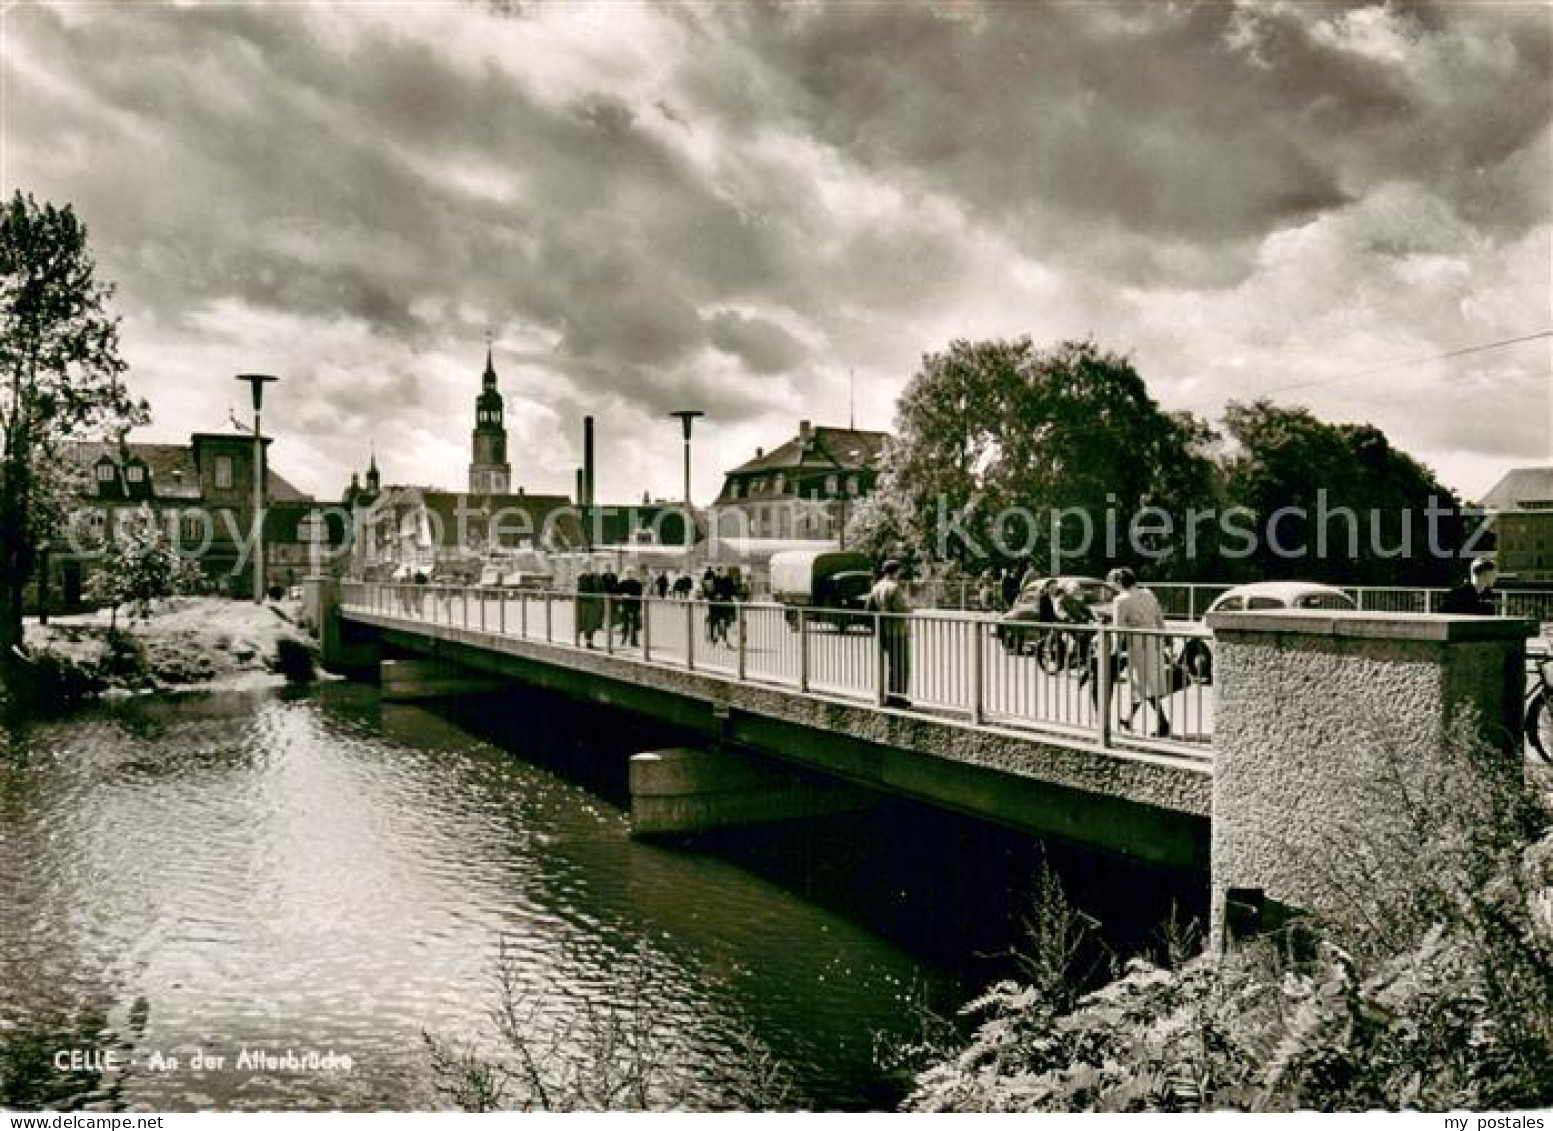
x=1521, y=504
x=489, y=472
x=453, y=532
x=405, y=526
x=201, y=494
x=804, y=489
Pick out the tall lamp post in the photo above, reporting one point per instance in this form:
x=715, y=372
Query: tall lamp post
x=256, y=382
x=687, y=418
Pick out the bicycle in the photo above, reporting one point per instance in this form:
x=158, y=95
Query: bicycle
x=1537, y=723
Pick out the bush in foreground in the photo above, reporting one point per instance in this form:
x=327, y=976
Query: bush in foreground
x=1439, y=1000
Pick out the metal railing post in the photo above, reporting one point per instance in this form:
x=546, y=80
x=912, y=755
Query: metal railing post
x=482, y=610
x=1191, y=602
x=738, y=626
x=803, y=649
x=1103, y=689
x=690, y=634
x=463, y=598
x=978, y=714
x=609, y=626
x=880, y=688
x=646, y=608
x=1428, y=600
x=502, y=624
x=549, y=620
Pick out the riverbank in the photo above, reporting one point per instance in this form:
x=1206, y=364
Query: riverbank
x=187, y=642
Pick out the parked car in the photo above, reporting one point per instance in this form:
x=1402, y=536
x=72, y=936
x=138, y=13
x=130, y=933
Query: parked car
x=1197, y=654
x=1023, y=627
x=834, y=583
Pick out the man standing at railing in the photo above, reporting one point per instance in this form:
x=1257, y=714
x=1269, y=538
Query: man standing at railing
x=889, y=600
x=631, y=590
x=1475, y=596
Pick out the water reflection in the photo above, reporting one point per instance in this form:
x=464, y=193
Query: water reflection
x=323, y=873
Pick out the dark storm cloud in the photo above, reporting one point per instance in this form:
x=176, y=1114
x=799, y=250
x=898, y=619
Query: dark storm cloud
x=764, y=346
x=1211, y=123
x=662, y=201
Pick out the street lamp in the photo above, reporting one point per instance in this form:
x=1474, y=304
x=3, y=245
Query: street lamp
x=687, y=418
x=256, y=382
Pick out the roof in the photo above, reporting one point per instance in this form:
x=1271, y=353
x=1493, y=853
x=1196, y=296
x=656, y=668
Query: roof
x=448, y=505
x=1520, y=487
x=174, y=474
x=827, y=449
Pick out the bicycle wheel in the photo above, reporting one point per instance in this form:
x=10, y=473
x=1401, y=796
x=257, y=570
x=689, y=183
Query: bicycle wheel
x=1051, y=652
x=1197, y=662
x=1539, y=725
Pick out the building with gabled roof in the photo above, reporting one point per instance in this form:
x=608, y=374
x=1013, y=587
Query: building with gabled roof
x=1521, y=504
x=803, y=489
x=201, y=493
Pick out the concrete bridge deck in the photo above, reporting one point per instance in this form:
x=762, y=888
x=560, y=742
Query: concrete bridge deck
x=811, y=697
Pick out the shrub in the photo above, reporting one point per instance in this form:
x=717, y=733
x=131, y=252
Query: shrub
x=1440, y=997
x=294, y=660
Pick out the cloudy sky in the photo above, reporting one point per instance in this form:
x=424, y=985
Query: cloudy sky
x=732, y=206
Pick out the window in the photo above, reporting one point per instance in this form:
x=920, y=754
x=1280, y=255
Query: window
x=852, y=485
x=733, y=489
x=135, y=473
x=830, y=486
x=224, y=473
x=105, y=473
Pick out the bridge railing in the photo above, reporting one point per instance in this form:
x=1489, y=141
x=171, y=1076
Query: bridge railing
x=1032, y=676
x=1182, y=600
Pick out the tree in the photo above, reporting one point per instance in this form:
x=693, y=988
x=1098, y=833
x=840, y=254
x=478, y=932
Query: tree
x=1004, y=451
x=140, y=565
x=59, y=381
x=1355, y=509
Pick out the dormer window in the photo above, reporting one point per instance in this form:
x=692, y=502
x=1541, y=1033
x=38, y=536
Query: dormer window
x=105, y=473
x=135, y=473
x=223, y=473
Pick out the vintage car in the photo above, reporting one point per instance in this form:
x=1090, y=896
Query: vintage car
x=834, y=584
x=1197, y=653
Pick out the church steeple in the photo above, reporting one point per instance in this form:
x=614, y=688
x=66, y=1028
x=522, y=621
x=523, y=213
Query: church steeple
x=489, y=471
x=373, y=479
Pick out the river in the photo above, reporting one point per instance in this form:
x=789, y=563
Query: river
x=242, y=874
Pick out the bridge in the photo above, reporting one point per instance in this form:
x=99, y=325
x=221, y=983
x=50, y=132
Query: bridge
x=982, y=729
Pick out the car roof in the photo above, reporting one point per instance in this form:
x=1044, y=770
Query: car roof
x=1284, y=589
x=1080, y=578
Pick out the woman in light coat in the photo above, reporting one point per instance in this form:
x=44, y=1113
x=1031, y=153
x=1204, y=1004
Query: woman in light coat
x=1148, y=667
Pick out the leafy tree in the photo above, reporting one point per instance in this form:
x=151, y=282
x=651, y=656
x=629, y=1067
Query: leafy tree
x=1356, y=510
x=1005, y=451
x=140, y=565
x=59, y=380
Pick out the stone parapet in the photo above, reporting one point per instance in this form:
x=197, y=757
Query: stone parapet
x=1324, y=722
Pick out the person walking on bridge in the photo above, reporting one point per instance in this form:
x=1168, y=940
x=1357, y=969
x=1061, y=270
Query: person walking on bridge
x=1148, y=670
x=888, y=599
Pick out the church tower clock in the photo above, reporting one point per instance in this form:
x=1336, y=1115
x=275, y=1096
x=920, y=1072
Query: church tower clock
x=489, y=471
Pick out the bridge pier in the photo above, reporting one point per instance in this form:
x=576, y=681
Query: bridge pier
x=1326, y=722
x=685, y=790
x=343, y=647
